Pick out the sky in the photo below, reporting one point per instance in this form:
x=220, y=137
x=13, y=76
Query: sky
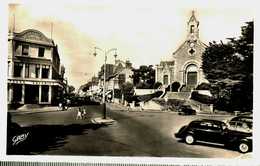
x=144, y=32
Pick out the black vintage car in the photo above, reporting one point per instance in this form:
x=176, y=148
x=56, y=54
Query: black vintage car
x=241, y=123
x=214, y=131
x=186, y=110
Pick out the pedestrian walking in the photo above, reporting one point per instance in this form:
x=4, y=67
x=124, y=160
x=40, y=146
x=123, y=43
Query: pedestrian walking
x=79, y=114
x=141, y=106
x=60, y=106
x=166, y=103
x=128, y=107
x=84, y=113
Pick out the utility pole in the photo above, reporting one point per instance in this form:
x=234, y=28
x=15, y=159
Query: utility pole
x=106, y=52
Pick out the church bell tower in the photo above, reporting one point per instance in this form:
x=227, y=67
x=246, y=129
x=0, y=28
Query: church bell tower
x=193, y=28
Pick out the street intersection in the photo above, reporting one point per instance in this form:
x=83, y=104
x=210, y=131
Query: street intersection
x=146, y=133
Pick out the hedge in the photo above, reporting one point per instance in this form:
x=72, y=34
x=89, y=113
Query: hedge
x=202, y=98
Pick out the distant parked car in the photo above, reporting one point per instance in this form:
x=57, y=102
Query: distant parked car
x=241, y=123
x=186, y=110
x=214, y=131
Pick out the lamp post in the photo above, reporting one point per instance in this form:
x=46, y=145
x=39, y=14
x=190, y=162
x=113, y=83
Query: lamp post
x=113, y=92
x=106, y=52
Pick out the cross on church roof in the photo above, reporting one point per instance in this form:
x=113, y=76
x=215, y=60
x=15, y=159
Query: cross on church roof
x=193, y=18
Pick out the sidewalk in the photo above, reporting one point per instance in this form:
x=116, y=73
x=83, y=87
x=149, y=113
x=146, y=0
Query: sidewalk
x=116, y=107
x=107, y=121
x=35, y=110
x=119, y=107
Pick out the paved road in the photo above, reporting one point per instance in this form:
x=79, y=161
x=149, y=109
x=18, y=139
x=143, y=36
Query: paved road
x=133, y=134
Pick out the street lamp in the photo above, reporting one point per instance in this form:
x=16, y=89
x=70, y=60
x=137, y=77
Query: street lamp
x=113, y=92
x=106, y=52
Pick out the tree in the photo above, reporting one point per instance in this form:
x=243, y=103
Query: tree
x=71, y=89
x=145, y=76
x=203, y=86
x=175, y=86
x=143, y=85
x=157, y=85
x=128, y=91
x=85, y=87
x=229, y=69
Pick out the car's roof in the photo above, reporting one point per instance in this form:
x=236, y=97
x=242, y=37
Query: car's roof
x=247, y=113
x=208, y=120
x=242, y=118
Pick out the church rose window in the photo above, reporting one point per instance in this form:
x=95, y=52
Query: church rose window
x=192, y=51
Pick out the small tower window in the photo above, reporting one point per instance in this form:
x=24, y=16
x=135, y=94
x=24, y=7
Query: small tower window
x=192, y=29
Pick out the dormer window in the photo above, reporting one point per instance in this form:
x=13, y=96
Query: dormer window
x=25, y=50
x=41, y=52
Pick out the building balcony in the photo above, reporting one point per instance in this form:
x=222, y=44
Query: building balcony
x=35, y=81
x=33, y=58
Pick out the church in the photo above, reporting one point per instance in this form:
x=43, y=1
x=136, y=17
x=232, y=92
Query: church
x=185, y=64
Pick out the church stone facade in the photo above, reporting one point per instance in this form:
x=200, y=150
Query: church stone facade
x=185, y=64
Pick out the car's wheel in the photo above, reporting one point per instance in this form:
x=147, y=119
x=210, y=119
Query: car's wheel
x=189, y=139
x=243, y=147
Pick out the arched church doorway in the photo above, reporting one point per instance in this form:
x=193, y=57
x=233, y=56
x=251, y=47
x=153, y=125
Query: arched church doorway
x=192, y=75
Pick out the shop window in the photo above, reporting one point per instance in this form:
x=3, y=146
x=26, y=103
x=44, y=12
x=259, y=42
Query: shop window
x=45, y=93
x=17, y=89
x=41, y=52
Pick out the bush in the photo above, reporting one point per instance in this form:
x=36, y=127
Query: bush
x=203, y=86
x=202, y=98
x=128, y=91
x=168, y=88
x=149, y=96
x=117, y=93
x=157, y=85
x=175, y=86
x=143, y=85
